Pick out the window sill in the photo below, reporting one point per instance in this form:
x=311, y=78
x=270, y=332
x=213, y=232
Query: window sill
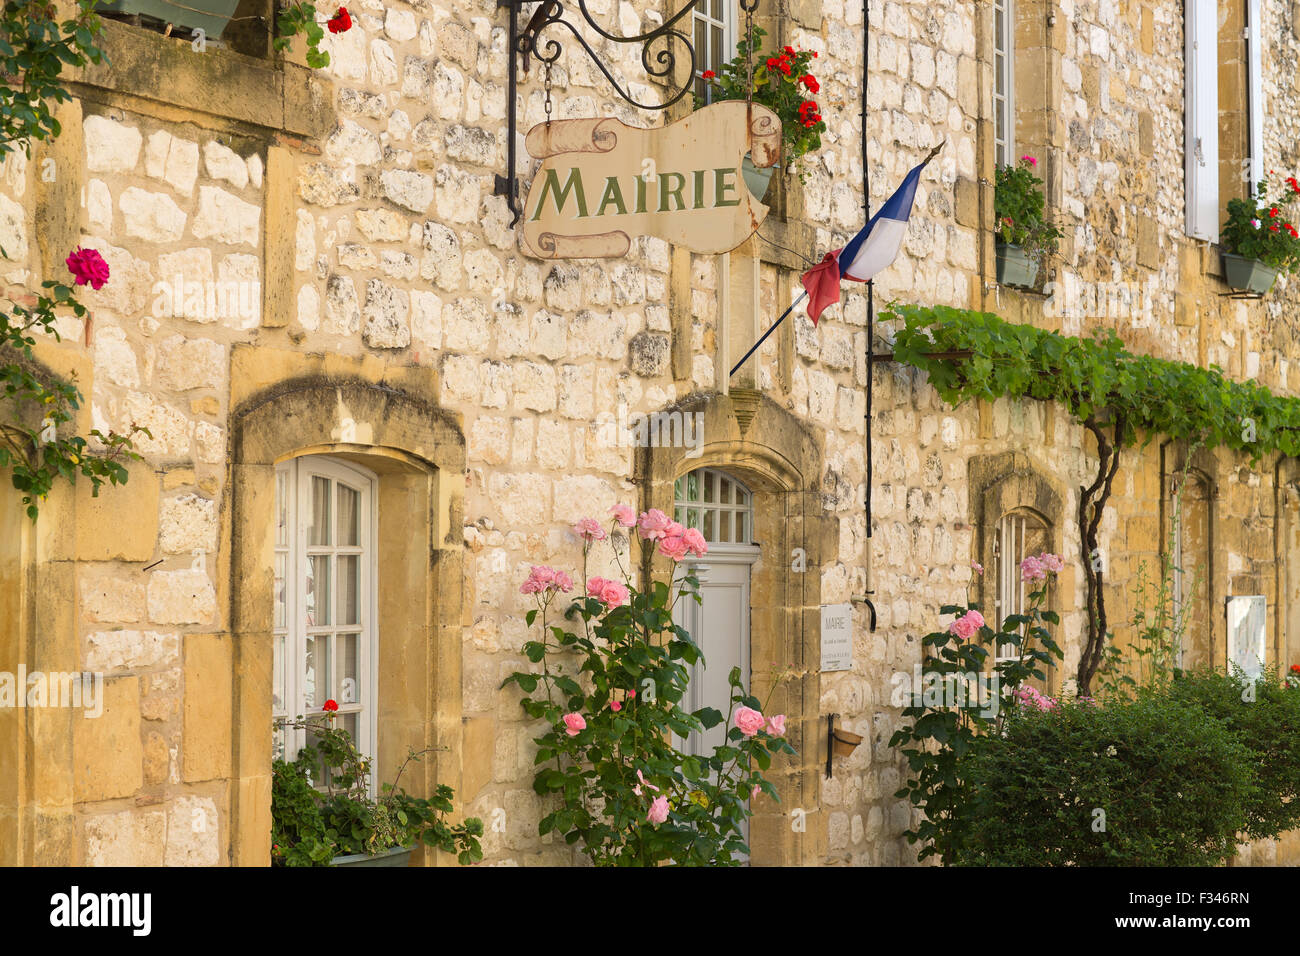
x=273, y=94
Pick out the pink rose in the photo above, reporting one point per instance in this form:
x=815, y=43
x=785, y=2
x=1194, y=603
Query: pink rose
x=1031, y=569
x=1029, y=159
x=695, y=543
x=658, y=810
x=968, y=625
x=1052, y=562
x=673, y=546
x=776, y=725
x=977, y=567
x=574, y=724
x=589, y=529
x=644, y=783
x=610, y=593
x=540, y=577
x=615, y=706
x=753, y=794
x=749, y=721
x=624, y=515
x=653, y=524
x=89, y=267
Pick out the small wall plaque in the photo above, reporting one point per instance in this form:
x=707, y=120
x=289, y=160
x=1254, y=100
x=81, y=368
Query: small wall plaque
x=837, y=637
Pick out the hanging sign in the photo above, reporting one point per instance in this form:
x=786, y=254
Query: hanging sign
x=603, y=182
x=837, y=637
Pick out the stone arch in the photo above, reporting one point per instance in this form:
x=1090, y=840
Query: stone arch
x=418, y=453
x=1007, y=484
x=748, y=436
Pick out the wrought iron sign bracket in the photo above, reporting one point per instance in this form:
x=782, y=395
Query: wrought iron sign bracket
x=533, y=39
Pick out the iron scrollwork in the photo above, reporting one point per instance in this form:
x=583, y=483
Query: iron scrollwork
x=660, y=49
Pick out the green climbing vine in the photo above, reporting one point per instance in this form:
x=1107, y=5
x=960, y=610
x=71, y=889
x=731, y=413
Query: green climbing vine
x=1117, y=396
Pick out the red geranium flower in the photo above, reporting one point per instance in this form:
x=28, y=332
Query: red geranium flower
x=789, y=49
x=341, y=22
x=1272, y=227
x=810, y=81
x=773, y=63
x=708, y=74
x=1272, y=213
x=1295, y=668
x=330, y=705
x=89, y=267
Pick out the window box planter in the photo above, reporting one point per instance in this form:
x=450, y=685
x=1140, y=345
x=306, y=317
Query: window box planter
x=1015, y=266
x=1249, y=275
x=757, y=178
x=210, y=16
x=397, y=856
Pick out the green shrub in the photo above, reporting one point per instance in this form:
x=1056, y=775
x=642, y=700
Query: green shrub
x=1265, y=717
x=1152, y=782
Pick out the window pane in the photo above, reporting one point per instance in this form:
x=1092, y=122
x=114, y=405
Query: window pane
x=693, y=486
x=316, y=673
x=282, y=509
x=679, y=514
x=710, y=479
x=349, y=584
x=694, y=518
x=347, y=647
x=349, y=722
x=677, y=489
x=716, y=11
x=318, y=532
x=715, y=48
x=277, y=677
x=349, y=515
x=709, y=526
x=318, y=590
x=281, y=571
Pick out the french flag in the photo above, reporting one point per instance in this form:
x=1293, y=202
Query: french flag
x=871, y=250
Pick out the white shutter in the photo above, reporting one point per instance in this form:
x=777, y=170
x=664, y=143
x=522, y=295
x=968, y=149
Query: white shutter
x=1255, y=63
x=1201, y=26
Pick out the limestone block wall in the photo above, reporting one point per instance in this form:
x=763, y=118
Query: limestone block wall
x=371, y=244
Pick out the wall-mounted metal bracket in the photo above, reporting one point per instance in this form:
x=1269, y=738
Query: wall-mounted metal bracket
x=659, y=55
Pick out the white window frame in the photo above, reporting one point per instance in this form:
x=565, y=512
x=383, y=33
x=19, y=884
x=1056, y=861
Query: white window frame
x=1010, y=597
x=741, y=509
x=290, y=627
x=701, y=19
x=1255, y=86
x=1201, y=122
x=1004, y=83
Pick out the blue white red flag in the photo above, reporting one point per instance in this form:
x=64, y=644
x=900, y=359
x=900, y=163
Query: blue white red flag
x=871, y=250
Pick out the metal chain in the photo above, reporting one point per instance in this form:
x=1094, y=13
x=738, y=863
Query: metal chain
x=546, y=86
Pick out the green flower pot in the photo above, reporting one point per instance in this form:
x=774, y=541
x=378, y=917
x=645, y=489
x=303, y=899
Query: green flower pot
x=757, y=179
x=397, y=856
x=210, y=16
x=1249, y=275
x=1015, y=266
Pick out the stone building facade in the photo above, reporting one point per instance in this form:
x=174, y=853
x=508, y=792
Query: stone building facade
x=311, y=265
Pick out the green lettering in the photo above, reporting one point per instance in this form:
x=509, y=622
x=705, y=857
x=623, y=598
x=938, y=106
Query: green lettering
x=552, y=185
x=699, y=188
x=721, y=187
x=613, y=194
x=665, y=190
x=640, y=194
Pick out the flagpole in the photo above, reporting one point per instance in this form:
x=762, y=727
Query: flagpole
x=770, y=330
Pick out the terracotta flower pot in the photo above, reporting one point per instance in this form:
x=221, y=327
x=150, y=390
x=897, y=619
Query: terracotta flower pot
x=845, y=743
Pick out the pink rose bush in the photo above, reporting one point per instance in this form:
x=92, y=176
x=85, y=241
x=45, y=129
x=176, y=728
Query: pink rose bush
x=968, y=625
x=1029, y=697
x=612, y=670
